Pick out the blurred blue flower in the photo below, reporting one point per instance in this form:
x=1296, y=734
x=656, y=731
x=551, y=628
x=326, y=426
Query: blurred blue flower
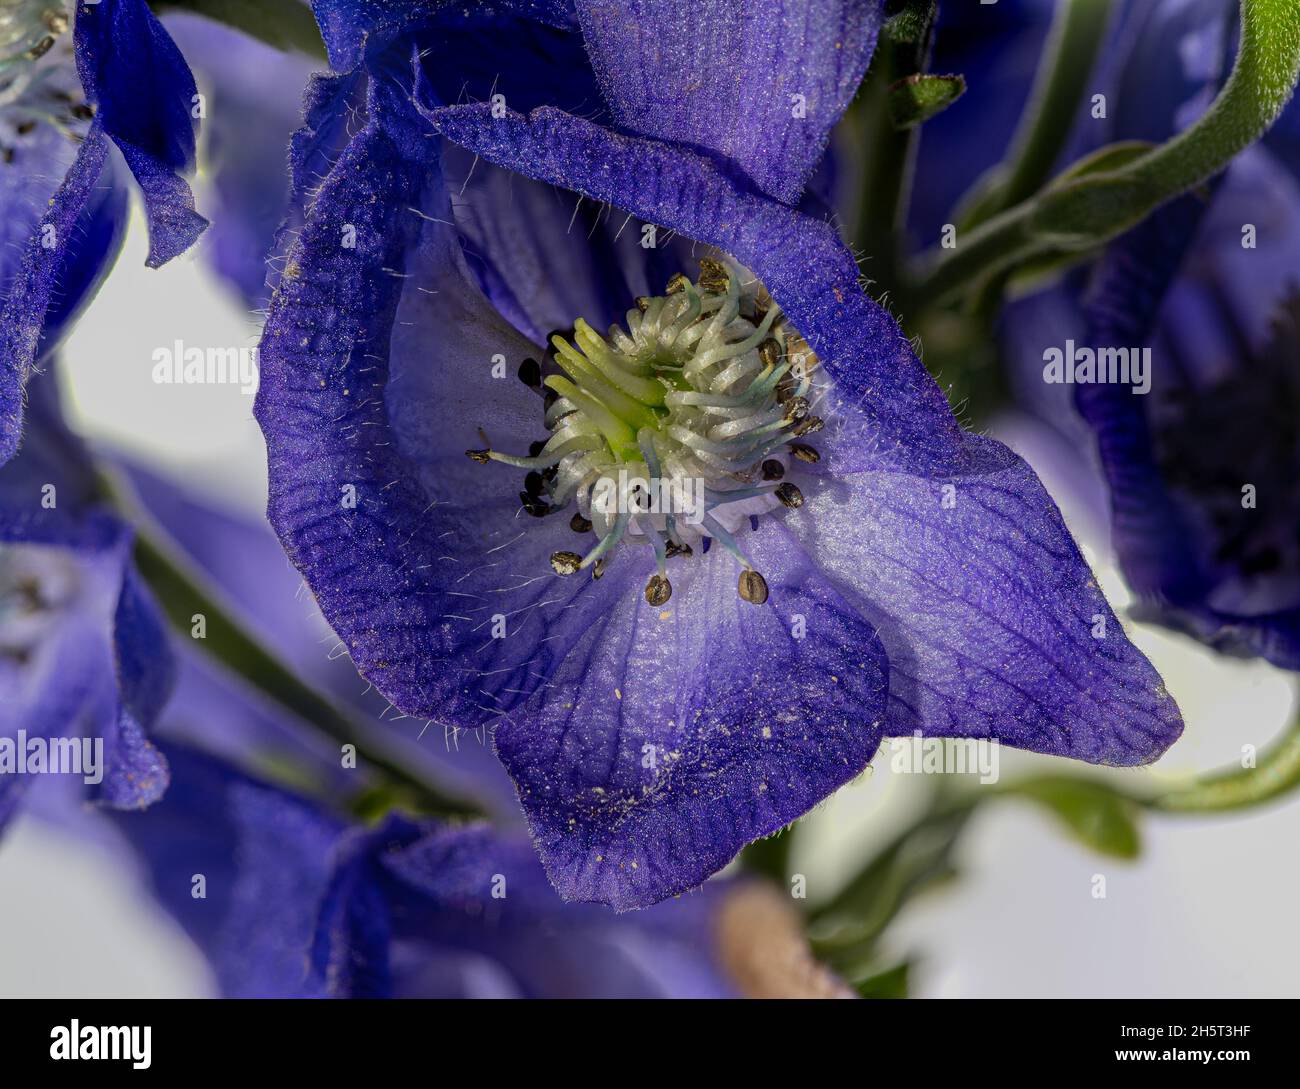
x=885, y=573
x=83, y=649
x=1201, y=472
x=286, y=900
x=117, y=78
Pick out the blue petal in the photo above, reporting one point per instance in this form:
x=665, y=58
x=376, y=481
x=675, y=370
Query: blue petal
x=993, y=624
x=759, y=84
x=805, y=266
x=52, y=253
x=350, y=27
x=144, y=96
x=263, y=857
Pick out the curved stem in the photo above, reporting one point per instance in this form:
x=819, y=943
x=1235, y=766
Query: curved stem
x=1069, y=58
x=1276, y=773
x=1093, y=202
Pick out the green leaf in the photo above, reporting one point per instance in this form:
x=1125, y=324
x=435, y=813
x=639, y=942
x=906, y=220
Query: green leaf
x=918, y=98
x=891, y=983
x=286, y=25
x=1095, y=814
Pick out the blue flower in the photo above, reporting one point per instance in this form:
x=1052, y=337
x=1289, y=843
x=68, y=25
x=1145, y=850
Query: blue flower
x=286, y=900
x=121, y=80
x=1202, y=470
x=702, y=685
x=83, y=651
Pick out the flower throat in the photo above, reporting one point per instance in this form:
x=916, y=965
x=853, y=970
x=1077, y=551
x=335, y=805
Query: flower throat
x=673, y=433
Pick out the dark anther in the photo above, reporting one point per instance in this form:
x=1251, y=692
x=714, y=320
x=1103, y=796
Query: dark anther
x=40, y=48
x=534, y=506
x=533, y=483
x=769, y=352
x=23, y=128
x=805, y=453
x=597, y=569
x=789, y=495
x=579, y=524
x=565, y=563
x=676, y=283
x=643, y=303
x=530, y=373
x=535, y=448
x=773, y=469
x=658, y=590
x=82, y=112
x=752, y=587
x=713, y=276
x=674, y=549
x=809, y=425
x=481, y=456
x=796, y=408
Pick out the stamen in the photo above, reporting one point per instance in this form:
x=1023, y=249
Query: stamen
x=694, y=400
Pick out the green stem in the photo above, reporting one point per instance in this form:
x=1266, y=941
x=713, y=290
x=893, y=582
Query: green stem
x=1059, y=86
x=1093, y=202
x=890, y=152
x=182, y=593
x=1276, y=773
x=286, y=25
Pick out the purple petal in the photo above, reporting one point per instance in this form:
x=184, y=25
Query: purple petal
x=760, y=84
x=805, y=266
x=144, y=96
x=993, y=624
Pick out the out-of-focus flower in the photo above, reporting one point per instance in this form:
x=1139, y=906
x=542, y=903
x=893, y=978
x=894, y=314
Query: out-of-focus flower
x=68, y=92
x=84, y=662
x=863, y=566
x=1201, y=470
x=286, y=900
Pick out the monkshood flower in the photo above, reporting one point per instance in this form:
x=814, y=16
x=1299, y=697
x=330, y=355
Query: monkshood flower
x=71, y=85
x=84, y=661
x=1201, y=459
x=286, y=900
x=663, y=685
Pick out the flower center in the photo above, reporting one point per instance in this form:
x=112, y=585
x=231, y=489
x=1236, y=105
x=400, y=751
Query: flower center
x=676, y=431
x=36, y=585
x=32, y=92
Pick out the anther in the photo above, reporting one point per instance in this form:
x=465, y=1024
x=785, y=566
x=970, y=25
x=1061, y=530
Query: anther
x=796, y=408
x=674, y=549
x=658, y=590
x=769, y=352
x=773, y=469
x=805, y=452
x=534, y=506
x=809, y=425
x=713, y=276
x=579, y=524
x=533, y=483
x=676, y=282
x=789, y=495
x=565, y=563
x=752, y=587
x=530, y=373
x=643, y=302
x=481, y=456
x=597, y=568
